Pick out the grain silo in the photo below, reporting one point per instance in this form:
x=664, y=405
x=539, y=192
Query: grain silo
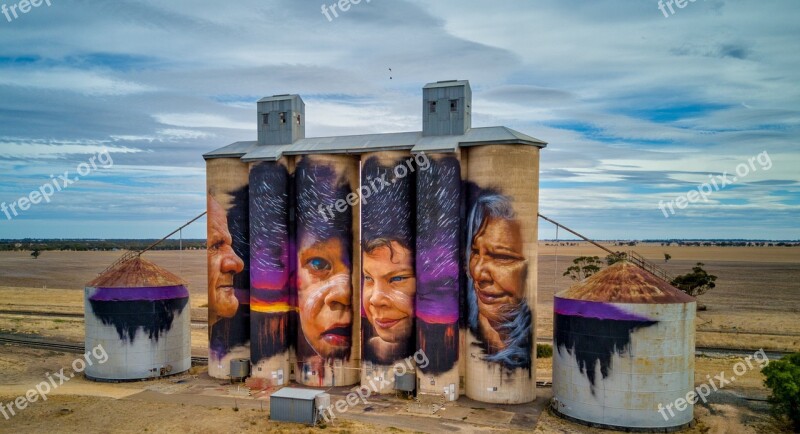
x=501, y=262
x=272, y=311
x=328, y=270
x=624, y=343
x=227, y=179
x=140, y=314
x=438, y=269
x=388, y=277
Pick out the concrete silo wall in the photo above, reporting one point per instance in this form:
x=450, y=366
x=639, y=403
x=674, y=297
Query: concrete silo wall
x=145, y=331
x=438, y=267
x=501, y=269
x=388, y=279
x=328, y=270
x=272, y=258
x=616, y=362
x=228, y=264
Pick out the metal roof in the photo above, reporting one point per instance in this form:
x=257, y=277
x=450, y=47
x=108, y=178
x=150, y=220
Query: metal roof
x=283, y=97
x=413, y=141
x=625, y=282
x=234, y=150
x=295, y=393
x=447, y=83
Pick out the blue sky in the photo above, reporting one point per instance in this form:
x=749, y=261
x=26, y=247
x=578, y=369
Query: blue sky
x=638, y=108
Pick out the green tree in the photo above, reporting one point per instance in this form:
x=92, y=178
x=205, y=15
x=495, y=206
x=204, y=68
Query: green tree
x=667, y=257
x=612, y=259
x=583, y=267
x=696, y=283
x=783, y=378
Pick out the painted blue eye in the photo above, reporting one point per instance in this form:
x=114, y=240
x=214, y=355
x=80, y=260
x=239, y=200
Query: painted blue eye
x=319, y=264
x=397, y=279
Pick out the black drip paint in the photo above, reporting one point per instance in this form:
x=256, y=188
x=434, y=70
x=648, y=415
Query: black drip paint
x=594, y=340
x=270, y=334
x=440, y=344
x=153, y=317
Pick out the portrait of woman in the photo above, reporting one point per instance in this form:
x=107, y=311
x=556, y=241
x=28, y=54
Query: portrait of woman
x=497, y=269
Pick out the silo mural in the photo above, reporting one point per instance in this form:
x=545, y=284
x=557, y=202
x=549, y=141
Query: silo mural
x=367, y=249
x=500, y=251
x=140, y=315
x=388, y=278
x=624, y=344
x=228, y=264
x=327, y=255
x=438, y=236
x=272, y=303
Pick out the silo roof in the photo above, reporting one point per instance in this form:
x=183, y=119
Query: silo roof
x=136, y=273
x=625, y=282
x=412, y=141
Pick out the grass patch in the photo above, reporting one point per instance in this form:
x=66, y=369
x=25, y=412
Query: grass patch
x=544, y=351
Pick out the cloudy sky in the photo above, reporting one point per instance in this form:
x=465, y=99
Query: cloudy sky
x=638, y=108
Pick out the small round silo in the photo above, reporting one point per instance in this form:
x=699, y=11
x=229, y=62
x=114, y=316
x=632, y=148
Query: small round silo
x=624, y=343
x=138, y=323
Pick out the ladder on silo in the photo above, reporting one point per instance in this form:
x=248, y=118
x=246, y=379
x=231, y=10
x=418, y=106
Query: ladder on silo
x=127, y=256
x=631, y=256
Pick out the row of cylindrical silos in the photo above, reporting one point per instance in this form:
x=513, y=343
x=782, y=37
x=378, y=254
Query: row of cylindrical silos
x=360, y=262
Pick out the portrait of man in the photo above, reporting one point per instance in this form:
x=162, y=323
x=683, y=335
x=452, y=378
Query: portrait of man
x=324, y=265
x=388, y=297
x=228, y=257
x=497, y=269
x=223, y=265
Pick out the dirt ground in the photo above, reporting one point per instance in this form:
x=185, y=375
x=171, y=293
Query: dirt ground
x=755, y=305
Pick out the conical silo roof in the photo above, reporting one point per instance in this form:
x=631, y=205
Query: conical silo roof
x=136, y=273
x=625, y=282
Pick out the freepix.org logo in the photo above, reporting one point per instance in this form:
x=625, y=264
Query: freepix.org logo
x=13, y=11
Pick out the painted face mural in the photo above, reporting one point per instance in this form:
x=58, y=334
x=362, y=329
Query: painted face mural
x=324, y=263
x=324, y=293
x=388, y=279
x=228, y=272
x=496, y=275
x=223, y=264
x=388, y=297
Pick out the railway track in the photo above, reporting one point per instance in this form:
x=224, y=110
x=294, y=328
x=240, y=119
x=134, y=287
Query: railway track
x=195, y=321
x=65, y=347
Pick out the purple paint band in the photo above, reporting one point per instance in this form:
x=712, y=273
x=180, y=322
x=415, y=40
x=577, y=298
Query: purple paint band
x=269, y=296
x=243, y=295
x=140, y=294
x=593, y=309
